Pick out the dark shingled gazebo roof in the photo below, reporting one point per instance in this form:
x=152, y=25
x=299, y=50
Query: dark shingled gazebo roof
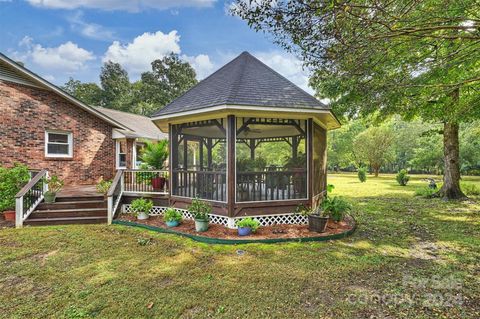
x=243, y=81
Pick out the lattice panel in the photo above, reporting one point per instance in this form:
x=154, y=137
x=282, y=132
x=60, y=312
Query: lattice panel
x=159, y=210
x=265, y=220
x=269, y=220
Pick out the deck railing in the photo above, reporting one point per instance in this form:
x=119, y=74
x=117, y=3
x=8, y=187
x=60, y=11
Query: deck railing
x=114, y=195
x=143, y=181
x=29, y=197
x=135, y=181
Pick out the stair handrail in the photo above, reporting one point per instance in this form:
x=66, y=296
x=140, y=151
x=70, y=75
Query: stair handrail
x=114, y=195
x=28, y=198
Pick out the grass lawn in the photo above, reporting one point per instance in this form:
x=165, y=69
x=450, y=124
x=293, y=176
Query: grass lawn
x=409, y=258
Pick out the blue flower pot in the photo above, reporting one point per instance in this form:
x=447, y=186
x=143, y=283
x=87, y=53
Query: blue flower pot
x=244, y=231
x=172, y=223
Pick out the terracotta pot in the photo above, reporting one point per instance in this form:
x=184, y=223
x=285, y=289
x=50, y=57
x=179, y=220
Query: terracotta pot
x=158, y=183
x=9, y=215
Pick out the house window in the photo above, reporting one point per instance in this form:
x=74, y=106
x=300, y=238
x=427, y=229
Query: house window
x=137, y=153
x=121, y=155
x=58, y=144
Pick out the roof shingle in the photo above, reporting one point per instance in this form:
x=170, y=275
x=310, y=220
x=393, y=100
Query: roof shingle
x=243, y=81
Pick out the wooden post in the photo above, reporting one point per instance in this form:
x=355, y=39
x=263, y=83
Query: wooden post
x=309, y=149
x=19, y=212
x=252, y=148
x=209, y=153
x=200, y=154
x=173, y=160
x=295, y=140
x=231, y=164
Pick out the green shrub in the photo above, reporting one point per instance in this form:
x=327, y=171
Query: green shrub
x=470, y=189
x=142, y=205
x=171, y=215
x=402, y=177
x=249, y=222
x=425, y=191
x=200, y=209
x=103, y=186
x=362, y=174
x=335, y=207
x=11, y=181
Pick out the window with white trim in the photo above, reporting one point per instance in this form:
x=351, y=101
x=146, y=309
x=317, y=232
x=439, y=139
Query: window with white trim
x=121, y=154
x=58, y=144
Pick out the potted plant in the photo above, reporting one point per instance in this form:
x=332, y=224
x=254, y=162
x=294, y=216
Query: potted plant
x=172, y=217
x=335, y=207
x=155, y=155
x=55, y=184
x=247, y=226
x=200, y=211
x=103, y=186
x=317, y=218
x=11, y=181
x=142, y=207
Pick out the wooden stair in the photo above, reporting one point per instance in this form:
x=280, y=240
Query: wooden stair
x=70, y=210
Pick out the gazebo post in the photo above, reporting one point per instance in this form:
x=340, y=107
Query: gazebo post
x=309, y=152
x=200, y=154
x=294, y=147
x=209, y=153
x=252, y=148
x=231, y=165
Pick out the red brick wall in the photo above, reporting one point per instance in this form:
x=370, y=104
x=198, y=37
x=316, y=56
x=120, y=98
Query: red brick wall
x=26, y=112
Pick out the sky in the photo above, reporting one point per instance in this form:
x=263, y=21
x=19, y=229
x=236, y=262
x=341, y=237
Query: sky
x=59, y=39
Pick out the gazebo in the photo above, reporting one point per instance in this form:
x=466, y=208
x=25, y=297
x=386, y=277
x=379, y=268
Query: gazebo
x=248, y=141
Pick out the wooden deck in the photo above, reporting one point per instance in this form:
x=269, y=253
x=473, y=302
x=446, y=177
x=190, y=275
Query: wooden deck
x=78, y=191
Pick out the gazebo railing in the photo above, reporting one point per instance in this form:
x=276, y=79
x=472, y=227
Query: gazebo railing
x=211, y=185
x=271, y=185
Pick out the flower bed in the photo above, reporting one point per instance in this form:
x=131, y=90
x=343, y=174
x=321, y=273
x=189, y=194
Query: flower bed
x=224, y=235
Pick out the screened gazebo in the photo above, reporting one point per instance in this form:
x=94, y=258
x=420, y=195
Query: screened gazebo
x=247, y=140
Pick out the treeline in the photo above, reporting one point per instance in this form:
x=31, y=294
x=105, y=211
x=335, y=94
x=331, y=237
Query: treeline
x=169, y=78
x=397, y=144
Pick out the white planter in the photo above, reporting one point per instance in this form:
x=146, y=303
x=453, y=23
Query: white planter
x=142, y=216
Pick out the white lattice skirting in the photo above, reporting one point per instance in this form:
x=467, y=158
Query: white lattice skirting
x=265, y=220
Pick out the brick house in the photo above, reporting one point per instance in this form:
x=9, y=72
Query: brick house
x=43, y=127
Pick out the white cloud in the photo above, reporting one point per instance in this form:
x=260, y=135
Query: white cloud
x=89, y=30
x=136, y=57
x=124, y=5
x=201, y=63
x=67, y=57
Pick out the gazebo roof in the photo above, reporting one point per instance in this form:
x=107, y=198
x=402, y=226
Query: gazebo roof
x=244, y=81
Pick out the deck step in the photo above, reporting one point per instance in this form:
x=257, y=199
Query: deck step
x=72, y=205
x=65, y=221
x=62, y=199
x=68, y=213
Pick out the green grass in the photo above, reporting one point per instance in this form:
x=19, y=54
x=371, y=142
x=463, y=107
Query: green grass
x=404, y=246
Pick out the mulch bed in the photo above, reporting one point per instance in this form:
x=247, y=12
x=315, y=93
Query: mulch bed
x=264, y=232
x=6, y=223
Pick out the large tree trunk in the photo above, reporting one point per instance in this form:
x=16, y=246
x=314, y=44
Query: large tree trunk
x=451, y=176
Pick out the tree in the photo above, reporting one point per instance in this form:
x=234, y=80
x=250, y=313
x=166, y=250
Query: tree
x=340, y=144
x=170, y=77
x=117, y=93
x=414, y=58
x=374, y=145
x=88, y=93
